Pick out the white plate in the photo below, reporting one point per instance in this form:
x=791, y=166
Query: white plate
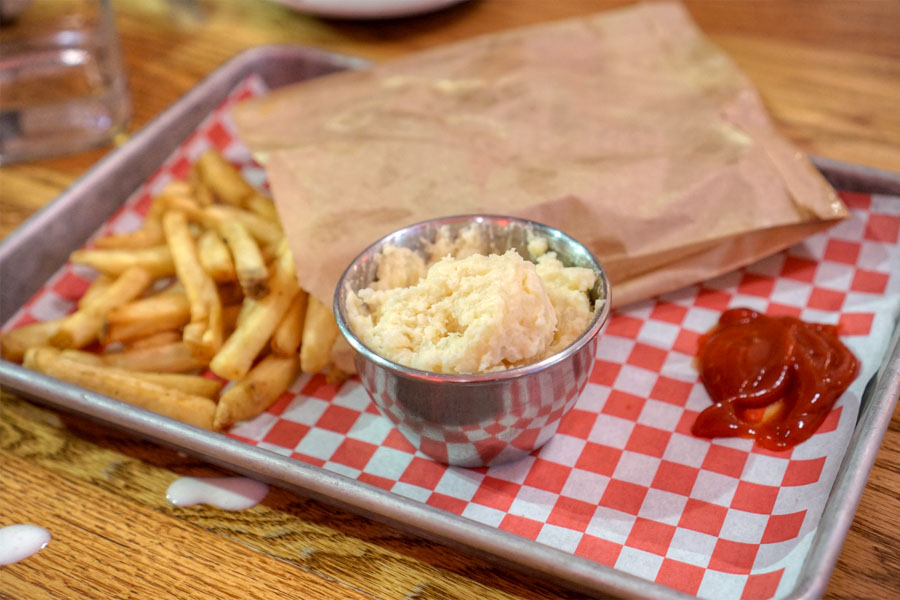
x=367, y=9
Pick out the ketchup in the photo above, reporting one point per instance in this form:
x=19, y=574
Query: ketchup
x=770, y=378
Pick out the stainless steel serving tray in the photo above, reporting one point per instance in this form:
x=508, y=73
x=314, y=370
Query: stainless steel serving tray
x=27, y=260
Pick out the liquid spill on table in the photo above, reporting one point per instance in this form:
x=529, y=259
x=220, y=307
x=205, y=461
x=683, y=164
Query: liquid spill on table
x=18, y=542
x=228, y=493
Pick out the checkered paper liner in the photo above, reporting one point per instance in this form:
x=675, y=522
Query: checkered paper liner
x=623, y=482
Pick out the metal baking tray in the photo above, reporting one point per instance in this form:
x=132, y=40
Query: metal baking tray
x=27, y=261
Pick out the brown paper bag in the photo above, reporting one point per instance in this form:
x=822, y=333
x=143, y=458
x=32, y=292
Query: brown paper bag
x=627, y=130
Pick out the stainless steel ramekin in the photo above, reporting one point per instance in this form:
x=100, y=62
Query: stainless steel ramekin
x=481, y=419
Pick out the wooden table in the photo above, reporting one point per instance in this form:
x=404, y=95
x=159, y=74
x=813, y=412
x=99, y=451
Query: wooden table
x=829, y=72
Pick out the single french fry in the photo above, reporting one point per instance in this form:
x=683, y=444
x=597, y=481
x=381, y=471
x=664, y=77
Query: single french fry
x=129, y=331
x=83, y=357
x=82, y=327
x=176, y=187
x=214, y=335
x=164, y=305
x=160, y=338
x=205, y=338
x=192, y=335
x=100, y=283
x=270, y=252
x=157, y=260
x=194, y=385
x=254, y=329
x=189, y=408
x=286, y=338
x=190, y=207
x=247, y=307
x=320, y=330
x=262, y=206
x=15, y=342
x=204, y=333
x=150, y=234
x=201, y=191
x=187, y=264
x=168, y=358
x=248, y=261
x=189, y=384
x=263, y=230
x=215, y=257
x=223, y=179
x=256, y=391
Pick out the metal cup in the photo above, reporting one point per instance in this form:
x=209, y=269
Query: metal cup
x=481, y=419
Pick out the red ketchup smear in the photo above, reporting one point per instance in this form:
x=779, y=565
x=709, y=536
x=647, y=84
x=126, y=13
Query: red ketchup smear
x=770, y=378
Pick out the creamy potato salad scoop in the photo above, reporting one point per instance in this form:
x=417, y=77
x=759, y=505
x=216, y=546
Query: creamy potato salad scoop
x=473, y=313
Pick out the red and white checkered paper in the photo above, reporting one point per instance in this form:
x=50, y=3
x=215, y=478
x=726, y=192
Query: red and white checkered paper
x=623, y=482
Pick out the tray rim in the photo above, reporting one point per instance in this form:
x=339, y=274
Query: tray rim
x=382, y=505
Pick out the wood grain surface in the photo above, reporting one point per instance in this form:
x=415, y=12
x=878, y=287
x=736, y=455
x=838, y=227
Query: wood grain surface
x=829, y=72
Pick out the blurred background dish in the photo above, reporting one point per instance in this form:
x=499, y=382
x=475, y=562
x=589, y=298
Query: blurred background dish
x=367, y=9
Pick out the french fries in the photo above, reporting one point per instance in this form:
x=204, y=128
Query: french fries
x=286, y=339
x=127, y=333
x=215, y=257
x=205, y=286
x=155, y=339
x=190, y=207
x=224, y=180
x=189, y=384
x=164, y=305
x=118, y=384
x=187, y=264
x=157, y=260
x=319, y=333
x=82, y=327
x=145, y=317
x=257, y=391
x=254, y=330
x=202, y=192
x=248, y=261
x=14, y=343
x=204, y=332
x=97, y=286
x=262, y=206
x=146, y=237
x=150, y=234
x=174, y=357
x=265, y=231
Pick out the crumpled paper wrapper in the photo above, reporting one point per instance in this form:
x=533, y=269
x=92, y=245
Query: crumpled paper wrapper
x=628, y=130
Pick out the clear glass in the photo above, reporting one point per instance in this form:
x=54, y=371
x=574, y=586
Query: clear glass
x=62, y=82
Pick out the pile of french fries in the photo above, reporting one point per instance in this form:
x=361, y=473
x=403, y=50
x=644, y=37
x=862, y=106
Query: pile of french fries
x=207, y=284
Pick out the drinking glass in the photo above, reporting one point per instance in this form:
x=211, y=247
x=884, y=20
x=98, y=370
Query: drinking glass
x=62, y=83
